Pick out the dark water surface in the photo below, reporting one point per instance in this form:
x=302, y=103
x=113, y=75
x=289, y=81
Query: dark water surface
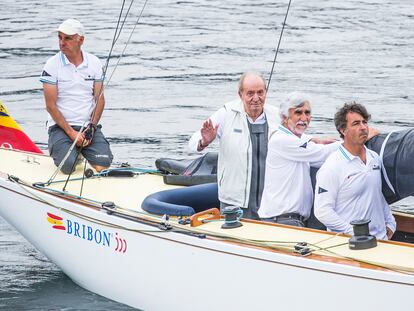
x=182, y=63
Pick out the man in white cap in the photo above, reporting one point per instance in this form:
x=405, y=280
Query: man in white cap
x=73, y=90
x=287, y=195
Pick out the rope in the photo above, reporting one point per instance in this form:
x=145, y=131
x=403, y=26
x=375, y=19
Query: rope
x=117, y=33
x=278, y=45
x=104, y=173
x=127, y=43
x=57, y=170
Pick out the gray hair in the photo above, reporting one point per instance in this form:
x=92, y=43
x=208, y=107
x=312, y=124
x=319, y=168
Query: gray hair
x=250, y=73
x=293, y=100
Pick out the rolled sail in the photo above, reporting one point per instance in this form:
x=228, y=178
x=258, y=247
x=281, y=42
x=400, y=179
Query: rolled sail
x=397, y=152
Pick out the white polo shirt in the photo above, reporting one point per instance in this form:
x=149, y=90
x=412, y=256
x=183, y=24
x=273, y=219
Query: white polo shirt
x=348, y=189
x=75, y=86
x=288, y=186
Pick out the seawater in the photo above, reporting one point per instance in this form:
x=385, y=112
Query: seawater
x=181, y=64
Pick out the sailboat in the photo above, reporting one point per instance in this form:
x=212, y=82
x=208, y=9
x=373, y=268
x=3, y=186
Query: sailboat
x=127, y=235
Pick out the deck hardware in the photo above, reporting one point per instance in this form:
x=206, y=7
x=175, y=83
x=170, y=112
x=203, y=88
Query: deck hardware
x=232, y=215
x=89, y=173
x=205, y=216
x=109, y=207
x=300, y=246
x=165, y=223
x=31, y=159
x=362, y=239
x=13, y=178
x=184, y=221
x=305, y=251
x=302, y=249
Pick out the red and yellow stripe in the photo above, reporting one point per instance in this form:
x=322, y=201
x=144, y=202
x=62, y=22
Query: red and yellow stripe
x=56, y=221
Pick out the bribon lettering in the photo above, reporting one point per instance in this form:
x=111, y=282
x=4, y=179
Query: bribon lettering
x=88, y=233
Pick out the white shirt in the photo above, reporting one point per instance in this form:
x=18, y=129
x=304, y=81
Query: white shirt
x=348, y=189
x=219, y=117
x=234, y=166
x=75, y=86
x=287, y=186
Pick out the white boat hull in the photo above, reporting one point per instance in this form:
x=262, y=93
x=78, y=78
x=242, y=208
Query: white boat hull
x=164, y=270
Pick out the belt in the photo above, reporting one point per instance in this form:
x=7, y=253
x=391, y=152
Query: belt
x=289, y=216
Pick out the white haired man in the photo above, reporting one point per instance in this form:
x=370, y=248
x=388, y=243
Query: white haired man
x=72, y=84
x=287, y=194
x=243, y=127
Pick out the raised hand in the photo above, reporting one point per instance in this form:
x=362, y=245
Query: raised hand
x=208, y=132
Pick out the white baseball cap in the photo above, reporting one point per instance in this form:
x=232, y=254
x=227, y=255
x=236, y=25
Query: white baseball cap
x=71, y=27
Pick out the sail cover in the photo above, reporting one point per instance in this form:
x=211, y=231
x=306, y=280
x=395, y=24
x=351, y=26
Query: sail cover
x=397, y=151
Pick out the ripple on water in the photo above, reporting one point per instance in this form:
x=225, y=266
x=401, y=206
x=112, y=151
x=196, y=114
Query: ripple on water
x=183, y=63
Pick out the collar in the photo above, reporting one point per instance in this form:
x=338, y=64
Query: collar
x=303, y=138
x=260, y=119
x=65, y=61
x=285, y=130
x=349, y=156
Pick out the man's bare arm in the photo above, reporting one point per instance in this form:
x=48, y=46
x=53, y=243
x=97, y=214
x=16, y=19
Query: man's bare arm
x=100, y=102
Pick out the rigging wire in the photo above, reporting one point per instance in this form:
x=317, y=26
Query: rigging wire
x=117, y=33
x=127, y=43
x=278, y=45
x=116, y=37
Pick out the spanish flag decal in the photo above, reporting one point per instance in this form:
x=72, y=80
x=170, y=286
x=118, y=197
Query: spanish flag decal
x=56, y=221
x=11, y=134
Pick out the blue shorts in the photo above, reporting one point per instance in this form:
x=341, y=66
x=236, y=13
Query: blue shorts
x=97, y=153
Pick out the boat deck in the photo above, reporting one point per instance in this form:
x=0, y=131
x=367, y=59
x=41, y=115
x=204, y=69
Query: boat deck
x=129, y=192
